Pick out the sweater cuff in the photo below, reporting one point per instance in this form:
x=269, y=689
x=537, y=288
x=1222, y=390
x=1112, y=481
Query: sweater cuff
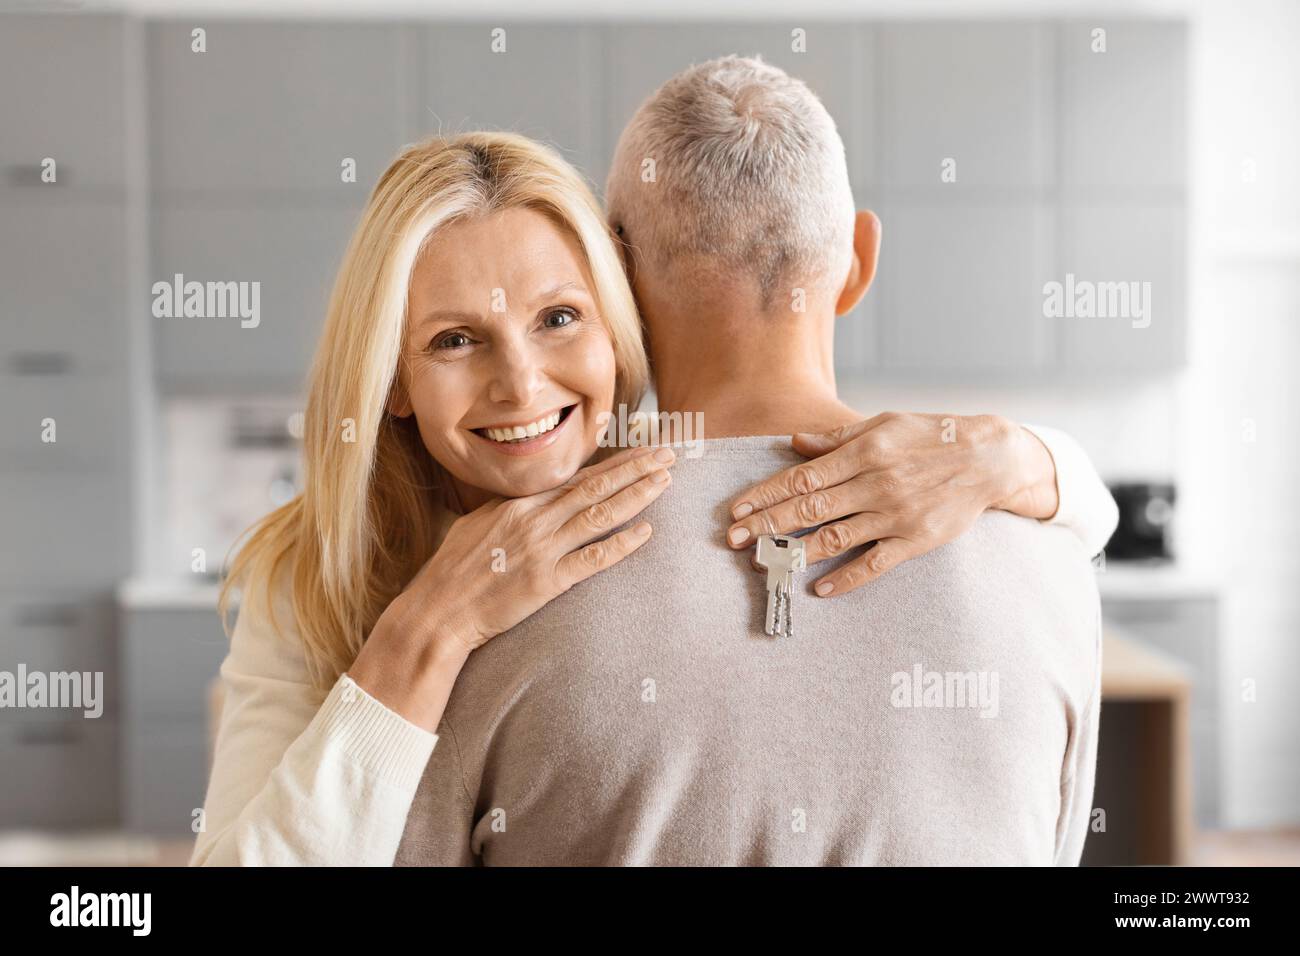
x=380, y=740
x=1083, y=503
x=1058, y=447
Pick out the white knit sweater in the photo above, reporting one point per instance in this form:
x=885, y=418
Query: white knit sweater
x=305, y=777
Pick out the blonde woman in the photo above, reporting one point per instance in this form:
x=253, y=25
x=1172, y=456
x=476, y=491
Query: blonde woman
x=480, y=324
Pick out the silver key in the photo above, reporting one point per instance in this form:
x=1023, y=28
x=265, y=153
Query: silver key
x=782, y=556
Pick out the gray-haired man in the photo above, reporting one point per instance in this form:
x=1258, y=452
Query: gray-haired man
x=947, y=713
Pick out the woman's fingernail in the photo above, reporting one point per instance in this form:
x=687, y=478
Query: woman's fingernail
x=738, y=535
x=642, y=529
x=742, y=510
x=659, y=477
x=664, y=454
x=824, y=588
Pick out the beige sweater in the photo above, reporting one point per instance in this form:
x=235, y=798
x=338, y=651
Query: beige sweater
x=945, y=714
x=305, y=777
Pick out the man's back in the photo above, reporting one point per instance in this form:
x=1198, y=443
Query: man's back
x=946, y=713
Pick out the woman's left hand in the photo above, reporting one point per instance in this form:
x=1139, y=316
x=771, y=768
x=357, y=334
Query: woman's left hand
x=909, y=482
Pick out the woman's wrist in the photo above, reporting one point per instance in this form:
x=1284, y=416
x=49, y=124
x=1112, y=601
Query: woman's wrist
x=1030, y=487
x=411, y=667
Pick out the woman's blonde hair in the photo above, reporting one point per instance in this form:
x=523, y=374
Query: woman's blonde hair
x=375, y=505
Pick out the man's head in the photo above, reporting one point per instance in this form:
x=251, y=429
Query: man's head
x=730, y=188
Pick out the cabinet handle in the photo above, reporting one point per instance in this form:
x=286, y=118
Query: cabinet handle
x=60, y=735
x=40, y=363
x=48, y=615
x=29, y=174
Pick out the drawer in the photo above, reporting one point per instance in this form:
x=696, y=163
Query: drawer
x=58, y=633
x=165, y=775
x=66, y=304
x=73, y=528
x=59, y=774
x=169, y=658
x=90, y=415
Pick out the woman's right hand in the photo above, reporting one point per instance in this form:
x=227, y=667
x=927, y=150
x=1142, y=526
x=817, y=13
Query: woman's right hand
x=497, y=565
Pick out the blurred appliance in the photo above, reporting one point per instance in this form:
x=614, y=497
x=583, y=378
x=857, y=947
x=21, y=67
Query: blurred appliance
x=1146, y=512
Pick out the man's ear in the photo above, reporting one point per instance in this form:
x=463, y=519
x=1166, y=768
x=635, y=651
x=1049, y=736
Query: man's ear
x=866, y=251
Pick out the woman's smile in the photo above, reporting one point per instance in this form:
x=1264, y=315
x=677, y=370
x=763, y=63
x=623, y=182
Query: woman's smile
x=526, y=436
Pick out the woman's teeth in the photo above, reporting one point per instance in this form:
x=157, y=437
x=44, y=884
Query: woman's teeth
x=522, y=432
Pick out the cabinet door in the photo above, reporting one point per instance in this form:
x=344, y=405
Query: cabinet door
x=1131, y=253
x=960, y=286
x=58, y=774
x=978, y=94
x=59, y=632
x=164, y=775
x=293, y=252
x=641, y=57
x=64, y=86
x=73, y=528
x=543, y=84
x=169, y=657
x=62, y=308
x=274, y=105
x=1124, y=111
x=86, y=416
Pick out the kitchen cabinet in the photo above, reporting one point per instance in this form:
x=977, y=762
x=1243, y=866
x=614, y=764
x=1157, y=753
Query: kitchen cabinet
x=292, y=252
x=275, y=106
x=834, y=63
x=68, y=527
x=170, y=654
x=981, y=94
x=1124, y=111
x=68, y=314
x=545, y=84
x=59, y=774
x=957, y=286
x=63, y=77
x=59, y=765
x=1142, y=249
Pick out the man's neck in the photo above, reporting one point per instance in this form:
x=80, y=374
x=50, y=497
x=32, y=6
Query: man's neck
x=755, y=376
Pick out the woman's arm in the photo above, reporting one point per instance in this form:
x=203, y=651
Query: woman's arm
x=908, y=483
x=301, y=777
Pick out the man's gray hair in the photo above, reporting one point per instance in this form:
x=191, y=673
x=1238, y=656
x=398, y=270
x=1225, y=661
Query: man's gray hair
x=735, y=169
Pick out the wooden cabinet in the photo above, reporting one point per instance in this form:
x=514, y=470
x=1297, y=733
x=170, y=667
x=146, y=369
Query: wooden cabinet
x=1186, y=629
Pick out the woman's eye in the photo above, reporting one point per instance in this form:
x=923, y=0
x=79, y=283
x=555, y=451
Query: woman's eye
x=453, y=340
x=559, y=318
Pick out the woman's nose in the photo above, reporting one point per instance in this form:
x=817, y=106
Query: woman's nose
x=516, y=376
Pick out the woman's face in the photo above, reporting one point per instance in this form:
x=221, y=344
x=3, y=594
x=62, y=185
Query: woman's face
x=507, y=364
